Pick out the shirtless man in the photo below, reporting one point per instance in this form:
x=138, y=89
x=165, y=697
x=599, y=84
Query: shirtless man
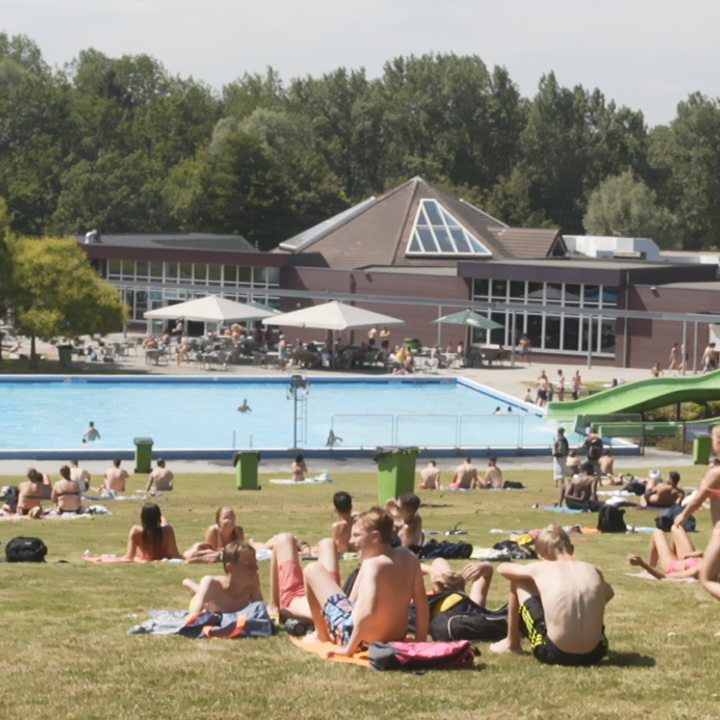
x=664, y=495
x=115, y=477
x=466, y=475
x=161, y=477
x=580, y=493
x=405, y=511
x=560, y=601
x=709, y=489
x=342, y=527
x=31, y=493
x=493, y=475
x=390, y=579
x=233, y=591
x=710, y=358
x=66, y=493
x=607, y=469
x=91, y=434
x=542, y=386
x=80, y=475
x=430, y=477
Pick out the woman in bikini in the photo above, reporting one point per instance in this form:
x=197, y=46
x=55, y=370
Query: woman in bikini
x=218, y=536
x=66, y=493
x=680, y=561
x=154, y=540
x=298, y=469
x=31, y=494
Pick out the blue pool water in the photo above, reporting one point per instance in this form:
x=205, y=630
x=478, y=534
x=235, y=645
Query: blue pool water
x=190, y=413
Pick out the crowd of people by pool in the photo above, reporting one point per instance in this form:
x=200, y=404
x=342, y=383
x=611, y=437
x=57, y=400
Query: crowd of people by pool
x=558, y=603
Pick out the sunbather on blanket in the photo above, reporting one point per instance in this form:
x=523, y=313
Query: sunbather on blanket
x=218, y=536
x=377, y=609
x=681, y=560
x=560, y=601
x=287, y=584
x=404, y=510
x=239, y=587
x=155, y=540
x=31, y=493
x=444, y=578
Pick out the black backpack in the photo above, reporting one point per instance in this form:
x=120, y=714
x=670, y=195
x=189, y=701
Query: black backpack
x=23, y=549
x=595, y=448
x=666, y=520
x=610, y=519
x=455, y=625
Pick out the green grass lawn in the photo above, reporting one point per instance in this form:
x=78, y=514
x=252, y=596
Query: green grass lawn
x=66, y=654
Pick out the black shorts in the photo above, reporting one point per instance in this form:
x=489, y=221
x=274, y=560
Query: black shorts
x=532, y=615
x=542, y=394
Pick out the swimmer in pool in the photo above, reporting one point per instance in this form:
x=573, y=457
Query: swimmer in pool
x=244, y=407
x=91, y=434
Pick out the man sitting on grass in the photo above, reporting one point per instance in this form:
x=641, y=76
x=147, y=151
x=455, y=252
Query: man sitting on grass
x=561, y=603
x=580, y=493
x=342, y=528
x=232, y=592
x=390, y=579
x=405, y=511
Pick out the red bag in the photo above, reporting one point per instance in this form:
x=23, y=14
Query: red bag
x=422, y=655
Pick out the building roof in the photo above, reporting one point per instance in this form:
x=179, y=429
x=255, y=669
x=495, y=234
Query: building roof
x=168, y=241
x=377, y=231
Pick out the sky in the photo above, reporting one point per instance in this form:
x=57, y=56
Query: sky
x=648, y=55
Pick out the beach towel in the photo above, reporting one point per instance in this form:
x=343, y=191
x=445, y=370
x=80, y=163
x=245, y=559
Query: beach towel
x=252, y=621
x=320, y=648
x=561, y=509
x=89, y=512
x=119, y=559
x=322, y=478
x=648, y=576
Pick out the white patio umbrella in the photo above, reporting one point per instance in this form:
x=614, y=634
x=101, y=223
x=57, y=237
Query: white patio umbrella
x=332, y=316
x=212, y=308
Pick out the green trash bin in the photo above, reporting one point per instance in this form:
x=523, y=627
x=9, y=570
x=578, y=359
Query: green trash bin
x=246, y=470
x=65, y=355
x=143, y=454
x=702, y=447
x=396, y=471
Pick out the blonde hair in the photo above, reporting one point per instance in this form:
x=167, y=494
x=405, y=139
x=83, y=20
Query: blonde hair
x=553, y=541
x=376, y=519
x=449, y=581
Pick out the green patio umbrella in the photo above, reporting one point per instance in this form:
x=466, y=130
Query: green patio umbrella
x=471, y=319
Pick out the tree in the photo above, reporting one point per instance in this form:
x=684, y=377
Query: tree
x=625, y=206
x=5, y=261
x=55, y=291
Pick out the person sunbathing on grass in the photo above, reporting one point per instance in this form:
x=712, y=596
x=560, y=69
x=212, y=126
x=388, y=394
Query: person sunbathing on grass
x=66, y=493
x=155, y=540
x=681, y=560
x=390, y=579
x=580, y=493
x=710, y=567
x=404, y=511
x=560, y=600
x=233, y=591
x=444, y=578
x=287, y=585
x=31, y=493
x=218, y=536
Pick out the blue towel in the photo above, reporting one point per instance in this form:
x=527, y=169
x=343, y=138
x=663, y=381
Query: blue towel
x=561, y=509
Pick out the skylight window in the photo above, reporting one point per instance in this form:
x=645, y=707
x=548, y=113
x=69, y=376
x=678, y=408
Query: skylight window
x=437, y=232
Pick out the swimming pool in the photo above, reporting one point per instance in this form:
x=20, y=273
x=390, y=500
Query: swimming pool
x=198, y=417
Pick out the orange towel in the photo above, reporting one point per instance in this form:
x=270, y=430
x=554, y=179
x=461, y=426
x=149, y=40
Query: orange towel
x=360, y=658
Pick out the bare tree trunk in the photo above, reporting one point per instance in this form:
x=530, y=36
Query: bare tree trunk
x=33, y=357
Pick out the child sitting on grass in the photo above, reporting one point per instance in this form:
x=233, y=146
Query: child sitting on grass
x=405, y=511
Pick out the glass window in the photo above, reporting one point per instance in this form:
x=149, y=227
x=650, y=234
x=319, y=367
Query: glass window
x=185, y=273
x=156, y=270
x=461, y=242
x=427, y=240
x=591, y=297
x=142, y=269
x=245, y=275
x=572, y=294
x=128, y=270
x=480, y=289
x=553, y=294
x=230, y=275
x=414, y=246
x=536, y=294
x=553, y=332
x=497, y=336
x=499, y=289
x=607, y=335
x=171, y=272
x=114, y=268
x=443, y=238
x=200, y=274
x=273, y=276
x=534, y=329
x=609, y=296
x=433, y=212
x=214, y=274
x=517, y=290
x=570, y=334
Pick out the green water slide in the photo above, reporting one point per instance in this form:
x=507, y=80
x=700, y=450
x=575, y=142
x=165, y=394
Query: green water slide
x=640, y=396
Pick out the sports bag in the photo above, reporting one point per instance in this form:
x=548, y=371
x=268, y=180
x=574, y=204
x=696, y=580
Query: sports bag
x=666, y=520
x=24, y=549
x=610, y=520
x=422, y=655
x=461, y=625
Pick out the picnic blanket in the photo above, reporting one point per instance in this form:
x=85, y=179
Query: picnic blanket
x=322, y=478
x=319, y=648
x=252, y=621
x=89, y=512
x=648, y=576
x=112, y=495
